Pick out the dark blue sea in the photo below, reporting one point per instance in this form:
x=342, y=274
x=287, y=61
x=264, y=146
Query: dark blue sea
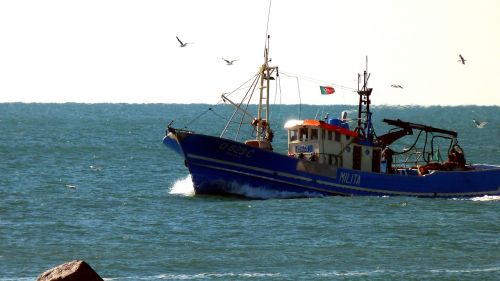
x=94, y=182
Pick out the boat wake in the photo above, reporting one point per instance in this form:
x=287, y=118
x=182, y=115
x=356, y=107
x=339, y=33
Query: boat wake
x=183, y=187
x=319, y=274
x=198, y=276
x=486, y=198
x=262, y=192
x=290, y=276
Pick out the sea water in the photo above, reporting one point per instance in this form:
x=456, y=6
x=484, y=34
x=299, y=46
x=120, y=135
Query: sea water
x=94, y=182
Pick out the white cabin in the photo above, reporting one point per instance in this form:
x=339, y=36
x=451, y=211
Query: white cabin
x=331, y=143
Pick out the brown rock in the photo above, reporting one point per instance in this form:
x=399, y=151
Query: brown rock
x=76, y=270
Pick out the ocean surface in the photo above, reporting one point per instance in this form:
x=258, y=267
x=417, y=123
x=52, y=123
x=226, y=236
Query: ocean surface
x=94, y=182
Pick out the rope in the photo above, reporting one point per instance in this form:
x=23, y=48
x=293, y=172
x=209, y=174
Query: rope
x=222, y=117
x=250, y=91
x=199, y=115
x=298, y=88
x=345, y=88
x=241, y=86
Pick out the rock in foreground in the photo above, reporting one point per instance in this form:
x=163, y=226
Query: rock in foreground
x=76, y=270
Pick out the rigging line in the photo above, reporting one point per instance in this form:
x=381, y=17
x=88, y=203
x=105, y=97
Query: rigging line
x=222, y=117
x=199, y=115
x=319, y=81
x=298, y=88
x=228, y=122
x=277, y=89
x=316, y=115
x=275, y=94
x=246, y=109
x=241, y=86
x=250, y=90
x=411, y=147
x=254, y=84
x=279, y=83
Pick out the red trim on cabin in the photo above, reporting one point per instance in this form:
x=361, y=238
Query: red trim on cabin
x=329, y=127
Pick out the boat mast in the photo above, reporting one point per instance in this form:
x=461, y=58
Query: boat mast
x=365, y=127
x=266, y=71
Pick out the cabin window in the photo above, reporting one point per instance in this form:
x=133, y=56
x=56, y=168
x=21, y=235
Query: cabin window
x=314, y=134
x=303, y=134
x=293, y=135
x=329, y=135
x=347, y=137
x=337, y=136
x=322, y=134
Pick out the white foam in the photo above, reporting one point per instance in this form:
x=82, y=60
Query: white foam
x=197, y=276
x=262, y=192
x=486, y=198
x=183, y=187
x=468, y=270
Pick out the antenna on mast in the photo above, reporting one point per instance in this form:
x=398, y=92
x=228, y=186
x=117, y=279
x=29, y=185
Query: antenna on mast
x=266, y=42
x=267, y=25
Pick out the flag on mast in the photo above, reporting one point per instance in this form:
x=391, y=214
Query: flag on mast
x=326, y=90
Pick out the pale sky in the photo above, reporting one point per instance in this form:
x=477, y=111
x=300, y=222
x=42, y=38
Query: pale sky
x=126, y=50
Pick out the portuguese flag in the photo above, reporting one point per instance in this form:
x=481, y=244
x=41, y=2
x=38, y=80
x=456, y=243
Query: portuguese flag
x=326, y=90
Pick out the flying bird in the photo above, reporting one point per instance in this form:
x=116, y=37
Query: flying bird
x=479, y=124
x=462, y=60
x=397, y=86
x=182, y=44
x=228, y=62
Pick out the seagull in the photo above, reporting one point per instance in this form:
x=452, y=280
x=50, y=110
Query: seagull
x=397, y=86
x=229, y=62
x=182, y=43
x=479, y=124
x=462, y=60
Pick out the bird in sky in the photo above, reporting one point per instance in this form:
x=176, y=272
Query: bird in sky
x=182, y=44
x=228, y=62
x=462, y=60
x=479, y=124
x=397, y=86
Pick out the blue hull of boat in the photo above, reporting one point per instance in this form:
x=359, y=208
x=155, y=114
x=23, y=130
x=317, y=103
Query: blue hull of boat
x=222, y=166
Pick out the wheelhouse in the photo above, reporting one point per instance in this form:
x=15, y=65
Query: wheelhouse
x=331, y=142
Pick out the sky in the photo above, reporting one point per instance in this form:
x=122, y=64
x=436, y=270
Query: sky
x=126, y=50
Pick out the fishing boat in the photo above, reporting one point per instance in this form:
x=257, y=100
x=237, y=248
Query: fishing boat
x=329, y=156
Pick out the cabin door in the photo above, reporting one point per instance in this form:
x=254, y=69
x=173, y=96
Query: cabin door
x=356, y=158
x=376, y=161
